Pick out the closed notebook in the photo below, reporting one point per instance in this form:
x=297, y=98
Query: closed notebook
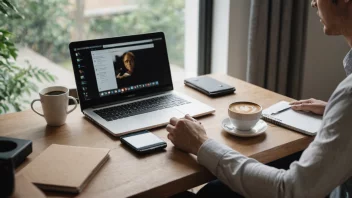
x=307, y=123
x=65, y=168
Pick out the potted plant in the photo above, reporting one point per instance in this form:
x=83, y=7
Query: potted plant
x=16, y=83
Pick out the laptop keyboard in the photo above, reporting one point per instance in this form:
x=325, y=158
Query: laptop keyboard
x=140, y=107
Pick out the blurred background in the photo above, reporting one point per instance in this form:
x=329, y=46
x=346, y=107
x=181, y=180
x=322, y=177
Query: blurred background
x=50, y=25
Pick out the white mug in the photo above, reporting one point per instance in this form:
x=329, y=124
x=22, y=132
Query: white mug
x=54, y=105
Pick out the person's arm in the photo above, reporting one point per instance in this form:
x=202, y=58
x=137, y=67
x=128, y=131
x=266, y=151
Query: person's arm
x=324, y=165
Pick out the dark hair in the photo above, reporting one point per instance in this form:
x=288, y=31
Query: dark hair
x=334, y=1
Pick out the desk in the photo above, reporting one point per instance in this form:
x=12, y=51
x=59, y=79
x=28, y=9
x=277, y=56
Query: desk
x=164, y=173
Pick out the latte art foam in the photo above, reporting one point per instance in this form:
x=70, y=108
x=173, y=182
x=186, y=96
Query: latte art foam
x=247, y=108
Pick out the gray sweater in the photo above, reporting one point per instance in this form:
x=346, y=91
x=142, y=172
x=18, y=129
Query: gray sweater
x=324, y=167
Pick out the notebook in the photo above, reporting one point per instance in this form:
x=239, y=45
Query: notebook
x=307, y=123
x=65, y=168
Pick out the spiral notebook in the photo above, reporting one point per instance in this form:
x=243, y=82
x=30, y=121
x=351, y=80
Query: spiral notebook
x=281, y=114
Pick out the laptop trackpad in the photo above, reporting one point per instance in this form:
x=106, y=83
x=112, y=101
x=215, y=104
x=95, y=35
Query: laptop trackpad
x=144, y=121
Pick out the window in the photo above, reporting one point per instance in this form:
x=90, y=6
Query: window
x=49, y=26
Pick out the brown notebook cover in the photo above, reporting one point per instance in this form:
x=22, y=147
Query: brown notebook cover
x=65, y=168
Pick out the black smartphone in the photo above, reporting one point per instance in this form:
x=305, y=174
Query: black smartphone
x=209, y=86
x=143, y=141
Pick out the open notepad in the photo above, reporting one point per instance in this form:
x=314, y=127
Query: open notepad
x=303, y=122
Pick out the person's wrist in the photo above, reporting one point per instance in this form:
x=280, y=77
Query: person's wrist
x=200, y=142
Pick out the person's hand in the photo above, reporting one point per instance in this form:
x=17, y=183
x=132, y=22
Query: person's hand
x=310, y=105
x=186, y=134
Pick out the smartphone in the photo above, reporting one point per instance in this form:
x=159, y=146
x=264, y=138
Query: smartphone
x=209, y=86
x=143, y=141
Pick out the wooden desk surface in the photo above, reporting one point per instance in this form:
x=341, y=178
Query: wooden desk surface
x=164, y=173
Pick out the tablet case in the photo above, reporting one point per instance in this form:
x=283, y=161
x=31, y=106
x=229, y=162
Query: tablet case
x=209, y=86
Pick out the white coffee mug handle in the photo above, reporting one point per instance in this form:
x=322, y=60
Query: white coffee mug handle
x=74, y=99
x=34, y=109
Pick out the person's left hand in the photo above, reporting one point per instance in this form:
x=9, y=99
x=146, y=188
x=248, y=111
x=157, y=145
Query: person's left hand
x=186, y=134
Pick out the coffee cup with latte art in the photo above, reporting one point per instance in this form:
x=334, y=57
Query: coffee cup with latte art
x=244, y=115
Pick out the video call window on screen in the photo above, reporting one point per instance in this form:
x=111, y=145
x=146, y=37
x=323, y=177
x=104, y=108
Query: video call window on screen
x=120, y=69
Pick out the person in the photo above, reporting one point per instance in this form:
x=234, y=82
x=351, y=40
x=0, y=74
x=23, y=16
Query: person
x=128, y=62
x=324, y=168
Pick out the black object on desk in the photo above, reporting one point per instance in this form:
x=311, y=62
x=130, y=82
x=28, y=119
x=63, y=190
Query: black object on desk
x=209, y=86
x=7, y=178
x=15, y=150
x=12, y=153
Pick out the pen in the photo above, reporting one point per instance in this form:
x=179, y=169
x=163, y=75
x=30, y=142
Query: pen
x=282, y=110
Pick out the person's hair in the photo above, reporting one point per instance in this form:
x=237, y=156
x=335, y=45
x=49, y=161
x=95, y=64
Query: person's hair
x=334, y=1
x=128, y=54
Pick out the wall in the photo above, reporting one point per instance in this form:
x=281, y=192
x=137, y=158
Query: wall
x=323, y=68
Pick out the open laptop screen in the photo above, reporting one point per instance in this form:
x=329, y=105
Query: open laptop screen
x=109, y=70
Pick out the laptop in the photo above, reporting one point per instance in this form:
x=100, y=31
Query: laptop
x=124, y=84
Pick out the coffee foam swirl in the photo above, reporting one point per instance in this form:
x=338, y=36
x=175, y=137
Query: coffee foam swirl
x=246, y=108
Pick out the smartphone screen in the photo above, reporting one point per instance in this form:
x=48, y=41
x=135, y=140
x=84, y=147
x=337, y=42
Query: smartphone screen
x=143, y=140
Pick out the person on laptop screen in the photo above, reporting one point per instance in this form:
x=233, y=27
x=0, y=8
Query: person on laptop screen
x=128, y=62
x=325, y=167
x=127, y=71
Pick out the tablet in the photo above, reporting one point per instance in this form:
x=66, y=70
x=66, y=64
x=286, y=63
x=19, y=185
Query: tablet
x=143, y=141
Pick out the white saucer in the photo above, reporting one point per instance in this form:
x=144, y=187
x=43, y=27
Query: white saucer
x=258, y=129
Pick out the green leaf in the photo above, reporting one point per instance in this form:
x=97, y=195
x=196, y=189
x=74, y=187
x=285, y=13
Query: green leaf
x=13, y=54
x=10, y=5
x=2, y=10
x=17, y=106
x=52, y=78
x=4, y=107
x=38, y=77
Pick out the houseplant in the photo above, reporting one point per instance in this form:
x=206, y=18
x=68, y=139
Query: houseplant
x=16, y=83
